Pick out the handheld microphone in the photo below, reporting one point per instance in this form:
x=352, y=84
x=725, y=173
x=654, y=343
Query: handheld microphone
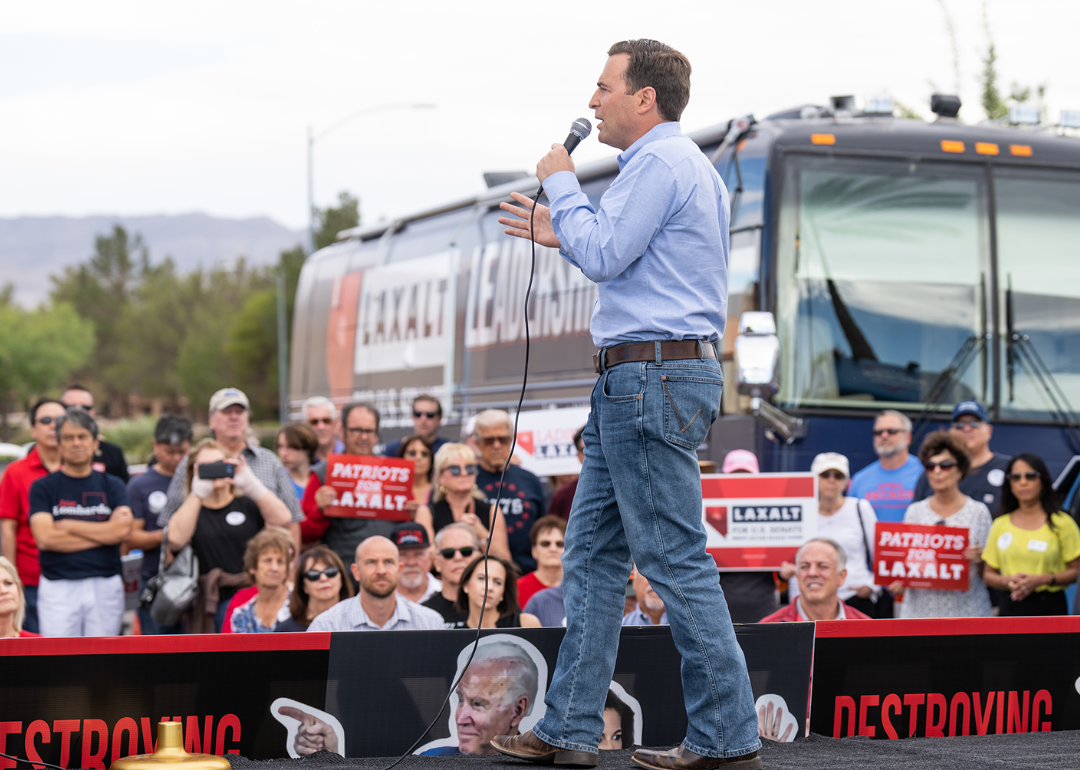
x=580, y=129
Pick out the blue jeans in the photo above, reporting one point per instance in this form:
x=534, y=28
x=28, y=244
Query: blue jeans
x=639, y=495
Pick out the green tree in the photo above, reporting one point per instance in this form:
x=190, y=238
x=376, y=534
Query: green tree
x=334, y=219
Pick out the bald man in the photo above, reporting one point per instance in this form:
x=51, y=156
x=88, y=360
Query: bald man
x=378, y=607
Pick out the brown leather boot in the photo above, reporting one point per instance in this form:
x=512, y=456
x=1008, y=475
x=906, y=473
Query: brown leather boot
x=528, y=746
x=683, y=759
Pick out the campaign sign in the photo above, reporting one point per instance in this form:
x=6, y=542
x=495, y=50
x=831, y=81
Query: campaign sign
x=370, y=487
x=920, y=556
x=754, y=522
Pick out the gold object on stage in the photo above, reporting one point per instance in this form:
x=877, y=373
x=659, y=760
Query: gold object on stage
x=170, y=753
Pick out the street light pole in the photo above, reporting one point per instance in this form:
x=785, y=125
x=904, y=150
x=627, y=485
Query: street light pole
x=313, y=137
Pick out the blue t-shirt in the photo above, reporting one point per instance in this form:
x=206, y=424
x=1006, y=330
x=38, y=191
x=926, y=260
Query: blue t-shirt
x=147, y=495
x=92, y=498
x=522, y=504
x=889, y=492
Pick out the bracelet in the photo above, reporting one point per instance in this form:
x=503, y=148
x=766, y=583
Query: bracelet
x=1053, y=578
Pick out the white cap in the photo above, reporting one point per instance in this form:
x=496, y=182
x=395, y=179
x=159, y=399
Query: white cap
x=830, y=461
x=226, y=397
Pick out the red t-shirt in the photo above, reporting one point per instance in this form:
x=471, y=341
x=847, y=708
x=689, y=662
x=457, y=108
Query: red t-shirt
x=15, y=505
x=25, y=634
x=527, y=586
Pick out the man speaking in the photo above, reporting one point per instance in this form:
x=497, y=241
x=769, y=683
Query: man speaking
x=657, y=249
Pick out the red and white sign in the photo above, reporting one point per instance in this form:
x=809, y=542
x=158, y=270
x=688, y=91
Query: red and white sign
x=754, y=522
x=920, y=556
x=370, y=487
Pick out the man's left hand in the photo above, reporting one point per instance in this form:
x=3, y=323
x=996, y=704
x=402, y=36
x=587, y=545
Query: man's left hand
x=556, y=160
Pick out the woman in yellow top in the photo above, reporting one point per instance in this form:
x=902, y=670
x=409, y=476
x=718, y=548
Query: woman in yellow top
x=1033, y=550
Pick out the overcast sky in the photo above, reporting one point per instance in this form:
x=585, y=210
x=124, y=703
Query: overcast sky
x=153, y=108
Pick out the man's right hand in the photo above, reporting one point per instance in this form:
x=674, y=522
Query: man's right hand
x=313, y=734
x=545, y=234
x=324, y=496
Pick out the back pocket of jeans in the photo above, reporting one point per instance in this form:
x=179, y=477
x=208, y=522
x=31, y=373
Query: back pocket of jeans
x=691, y=405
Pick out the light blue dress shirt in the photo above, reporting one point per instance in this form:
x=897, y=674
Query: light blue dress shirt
x=658, y=247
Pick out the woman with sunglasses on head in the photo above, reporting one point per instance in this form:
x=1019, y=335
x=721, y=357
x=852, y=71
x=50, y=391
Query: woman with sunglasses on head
x=850, y=522
x=500, y=604
x=945, y=458
x=320, y=584
x=1033, y=551
x=457, y=498
x=418, y=449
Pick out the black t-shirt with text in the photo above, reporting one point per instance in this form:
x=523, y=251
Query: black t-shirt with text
x=454, y=618
x=982, y=484
x=221, y=535
x=92, y=498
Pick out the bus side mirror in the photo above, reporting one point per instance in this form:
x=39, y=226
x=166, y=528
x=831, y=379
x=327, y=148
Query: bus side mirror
x=757, y=356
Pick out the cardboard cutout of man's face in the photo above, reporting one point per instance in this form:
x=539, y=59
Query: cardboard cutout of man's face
x=486, y=707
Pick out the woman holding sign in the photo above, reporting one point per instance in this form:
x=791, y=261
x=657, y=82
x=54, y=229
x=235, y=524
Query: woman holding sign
x=946, y=461
x=456, y=498
x=1033, y=551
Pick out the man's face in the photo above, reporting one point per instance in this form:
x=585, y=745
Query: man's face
x=415, y=566
x=324, y=425
x=80, y=398
x=427, y=419
x=486, y=708
x=271, y=570
x=230, y=424
x=44, y=427
x=169, y=456
x=549, y=548
x=376, y=568
x=975, y=432
x=77, y=446
x=819, y=579
x=361, y=434
x=613, y=106
x=647, y=598
x=494, y=446
x=450, y=569
x=890, y=437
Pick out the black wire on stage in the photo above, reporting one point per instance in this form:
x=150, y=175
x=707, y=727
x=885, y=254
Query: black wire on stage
x=498, y=497
x=34, y=762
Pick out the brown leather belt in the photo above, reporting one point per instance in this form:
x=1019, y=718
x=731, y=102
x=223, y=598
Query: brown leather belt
x=671, y=350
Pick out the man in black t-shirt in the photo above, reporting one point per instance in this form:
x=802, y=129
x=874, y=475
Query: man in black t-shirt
x=108, y=457
x=522, y=500
x=79, y=517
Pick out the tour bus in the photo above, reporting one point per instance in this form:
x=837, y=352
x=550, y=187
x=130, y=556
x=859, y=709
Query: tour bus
x=875, y=263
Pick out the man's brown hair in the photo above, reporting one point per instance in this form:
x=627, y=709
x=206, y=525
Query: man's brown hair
x=545, y=523
x=660, y=66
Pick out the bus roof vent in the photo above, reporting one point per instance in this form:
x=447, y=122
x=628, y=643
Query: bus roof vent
x=1024, y=115
x=842, y=105
x=945, y=105
x=497, y=178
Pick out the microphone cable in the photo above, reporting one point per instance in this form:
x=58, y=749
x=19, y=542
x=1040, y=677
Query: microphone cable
x=498, y=497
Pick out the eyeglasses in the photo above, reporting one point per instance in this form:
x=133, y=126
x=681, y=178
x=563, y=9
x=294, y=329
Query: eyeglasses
x=430, y=415
x=457, y=470
x=1029, y=475
x=492, y=440
x=549, y=543
x=890, y=431
x=968, y=424
x=945, y=465
x=362, y=431
x=448, y=553
x=418, y=453
x=321, y=421
x=84, y=407
x=314, y=574
x=834, y=475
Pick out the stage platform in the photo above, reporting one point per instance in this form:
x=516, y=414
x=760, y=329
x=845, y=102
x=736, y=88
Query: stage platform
x=1040, y=750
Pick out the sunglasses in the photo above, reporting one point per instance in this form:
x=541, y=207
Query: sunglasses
x=457, y=470
x=321, y=421
x=890, y=431
x=418, y=453
x=430, y=415
x=1029, y=475
x=834, y=475
x=492, y=440
x=362, y=431
x=46, y=420
x=945, y=465
x=314, y=574
x=466, y=552
x=549, y=543
x=967, y=424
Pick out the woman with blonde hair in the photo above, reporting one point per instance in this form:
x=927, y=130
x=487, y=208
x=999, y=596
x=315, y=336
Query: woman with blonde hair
x=456, y=498
x=12, y=602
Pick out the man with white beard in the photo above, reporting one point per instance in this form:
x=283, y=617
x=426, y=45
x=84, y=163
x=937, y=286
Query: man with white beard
x=650, y=607
x=415, y=583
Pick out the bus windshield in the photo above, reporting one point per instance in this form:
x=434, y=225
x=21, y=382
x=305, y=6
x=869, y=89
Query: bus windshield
x=881, y=282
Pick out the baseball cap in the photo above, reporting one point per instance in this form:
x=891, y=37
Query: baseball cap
x=970, y=407
x=409, y=535
x=740, y=460
x=226, y=397
x=830, y=461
